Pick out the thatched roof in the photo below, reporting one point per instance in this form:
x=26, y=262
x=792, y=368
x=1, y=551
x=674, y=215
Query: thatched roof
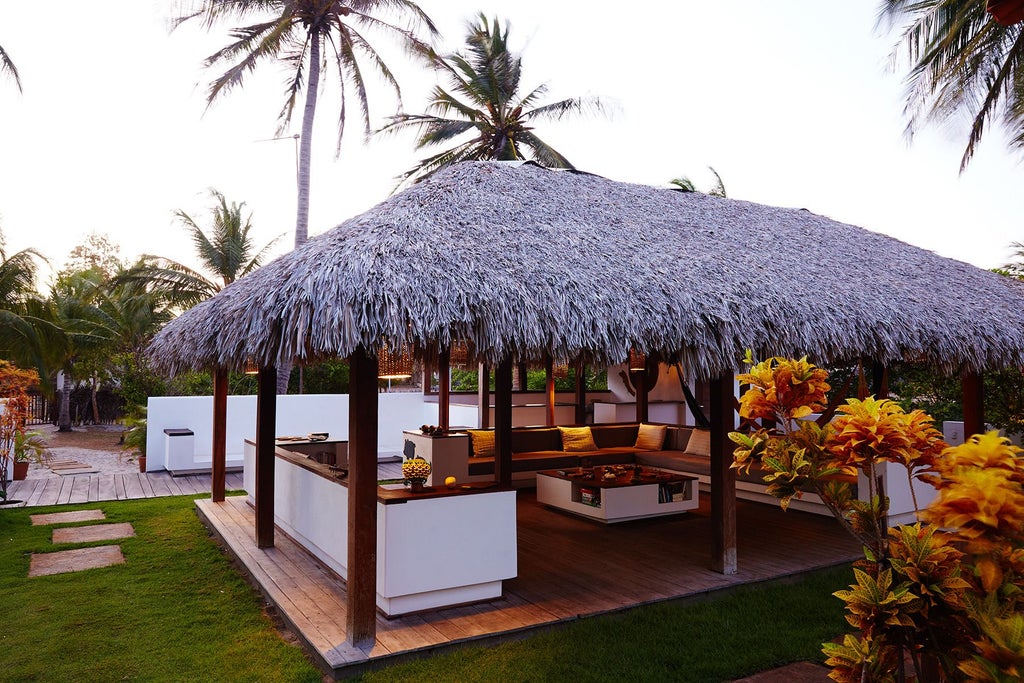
x=524, y=260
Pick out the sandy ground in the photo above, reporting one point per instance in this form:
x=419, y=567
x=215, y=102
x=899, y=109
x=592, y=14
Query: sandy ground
x=98, y=446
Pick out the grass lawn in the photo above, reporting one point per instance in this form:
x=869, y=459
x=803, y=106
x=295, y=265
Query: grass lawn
x=179, y=611
x=719, y=639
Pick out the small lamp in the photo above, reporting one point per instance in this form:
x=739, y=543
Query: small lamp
x=394, y=363
x=637, y=360
x=458, y=354
x=250, y=367
x=560, y=369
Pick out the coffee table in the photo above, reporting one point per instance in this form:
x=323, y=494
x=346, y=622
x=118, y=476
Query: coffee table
x=587, y=493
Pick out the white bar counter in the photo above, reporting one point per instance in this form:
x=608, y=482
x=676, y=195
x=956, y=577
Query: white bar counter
x=435, y=549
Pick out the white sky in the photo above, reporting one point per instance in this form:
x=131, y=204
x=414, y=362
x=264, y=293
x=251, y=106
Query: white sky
x=791, y=102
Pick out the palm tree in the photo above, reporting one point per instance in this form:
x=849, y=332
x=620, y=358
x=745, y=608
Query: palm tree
x=686, y=185
x=21, y=329
x=961, y=61
x=7, y=65
x=301, y=34
x=227, y=253
x=484, y=98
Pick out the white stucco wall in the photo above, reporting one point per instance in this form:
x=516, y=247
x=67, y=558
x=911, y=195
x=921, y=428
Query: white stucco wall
x=297, y=415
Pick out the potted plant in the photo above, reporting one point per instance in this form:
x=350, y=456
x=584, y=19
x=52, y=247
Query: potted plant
x=134, y=439
x=26, y=446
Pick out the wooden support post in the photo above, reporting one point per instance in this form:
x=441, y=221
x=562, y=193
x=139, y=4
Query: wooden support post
x=220, y=433
x=640, y=384
x=362, y=500
x=503, y=423
x=266, y=425
x=522, y=370
x=443, y=389
x=549, y=390
x=879, y=380
x=974, y=404
x=483, y=395
x=723, y=478
x=581, y=393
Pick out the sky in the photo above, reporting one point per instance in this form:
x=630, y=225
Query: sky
x=794, y=103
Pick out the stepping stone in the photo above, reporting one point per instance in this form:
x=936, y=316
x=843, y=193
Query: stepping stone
x=63, y=517
x=63, y=561
x=93, y=532
x=797, y=672
x=76, y=470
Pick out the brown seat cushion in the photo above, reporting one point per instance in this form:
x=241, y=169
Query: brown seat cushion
x=612, y=436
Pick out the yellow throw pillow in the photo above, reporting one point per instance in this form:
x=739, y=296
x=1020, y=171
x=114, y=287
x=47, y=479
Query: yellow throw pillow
x=577, y=439
x=483, y=442
x=699, y=443
x=650, y=437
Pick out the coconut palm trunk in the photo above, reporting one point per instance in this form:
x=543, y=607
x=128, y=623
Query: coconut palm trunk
x=64, y=417
x=302, y=176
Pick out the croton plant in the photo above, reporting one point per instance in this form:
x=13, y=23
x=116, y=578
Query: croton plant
x=938, y=600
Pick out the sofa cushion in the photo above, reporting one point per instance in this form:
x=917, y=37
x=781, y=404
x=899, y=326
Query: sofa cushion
x=532, y=440
x=482, y=441
x=612, y=436
x=650, y=437
x=527, y=462
x=676, y=438
x=699, y=443
x=676, y=461
x=576, y=439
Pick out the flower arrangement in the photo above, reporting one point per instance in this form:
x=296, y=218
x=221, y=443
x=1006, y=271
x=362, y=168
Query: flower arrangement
x=415, y=471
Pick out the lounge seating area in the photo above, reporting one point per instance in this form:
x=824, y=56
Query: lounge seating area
x=668, y=447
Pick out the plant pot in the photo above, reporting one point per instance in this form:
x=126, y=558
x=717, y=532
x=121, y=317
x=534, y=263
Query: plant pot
x=142, y=463
x=20, y=470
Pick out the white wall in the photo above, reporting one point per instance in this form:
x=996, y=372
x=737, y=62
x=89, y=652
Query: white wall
x=297, y=415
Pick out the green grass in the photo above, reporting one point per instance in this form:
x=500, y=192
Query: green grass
x=179, y=611
x=176, y=611
x=719, y=639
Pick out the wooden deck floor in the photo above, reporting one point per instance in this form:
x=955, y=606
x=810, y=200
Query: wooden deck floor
x=92, y=488
x=568, y=568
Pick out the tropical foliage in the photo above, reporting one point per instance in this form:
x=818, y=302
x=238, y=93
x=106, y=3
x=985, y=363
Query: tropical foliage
x=961, y=63
x=937, y=600
x=307, y=36
x=7, y=66
x=686, y=185
x=485, y=101
x=14, y=386
x=227, y=252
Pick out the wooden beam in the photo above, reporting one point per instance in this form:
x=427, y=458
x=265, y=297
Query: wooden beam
x=362, y=500
x=581, y=392
x=549, y=390
x=443, y=389
x=723, y=478
x=266, y=425
x=974, y=404
x=483, y=395
x=503, y=423
x=639, y=379
x=220, y=433
x=879, y=380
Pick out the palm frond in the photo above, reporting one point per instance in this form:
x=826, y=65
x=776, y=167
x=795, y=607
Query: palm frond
x=7, y=65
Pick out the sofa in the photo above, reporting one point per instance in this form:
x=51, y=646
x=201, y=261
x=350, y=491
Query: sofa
x=685, y=450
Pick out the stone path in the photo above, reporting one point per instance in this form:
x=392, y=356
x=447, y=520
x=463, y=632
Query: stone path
x=79, y=559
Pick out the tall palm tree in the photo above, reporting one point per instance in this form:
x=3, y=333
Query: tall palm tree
x=6, y=65
x=961, y=61
x=227, y=253
x=484, y=98
x=308, y=36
